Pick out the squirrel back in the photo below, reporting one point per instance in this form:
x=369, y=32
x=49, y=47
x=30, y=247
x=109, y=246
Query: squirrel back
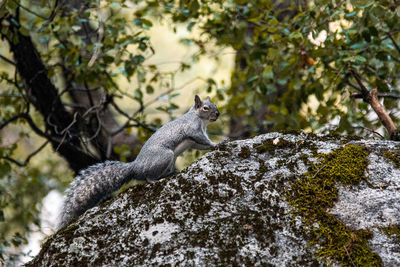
x=155, y=160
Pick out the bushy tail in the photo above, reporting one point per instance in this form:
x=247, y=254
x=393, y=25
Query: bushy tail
x=92, y=186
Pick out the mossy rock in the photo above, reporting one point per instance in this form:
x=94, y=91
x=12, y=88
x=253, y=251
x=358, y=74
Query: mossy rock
x=273, y=200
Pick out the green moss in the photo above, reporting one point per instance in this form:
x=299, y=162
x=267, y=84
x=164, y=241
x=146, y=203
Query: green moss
x=316, y=191
x=392, y=230
x=222, y=147
x=270, y=145
x=394, y=156
x=69, y=230
x=244, y=152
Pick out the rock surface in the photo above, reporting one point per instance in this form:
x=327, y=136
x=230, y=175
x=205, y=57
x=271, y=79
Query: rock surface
x=231, y=208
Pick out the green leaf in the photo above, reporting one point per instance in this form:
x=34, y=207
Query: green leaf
x=11, y=6
x=138, y=95
x=296, y=36
x=358, y=45
x=373, y=31
x=149, y=89
x=362, y=3
x=190, y=26
x=360, y=59
x=173, y=106
x=138, y=59
x=174, y=95
x=348, y=15
x=108, y=59
x=346, y=59
x=24, y=31
x=273, y=21
x=268, y=72
x=76, y=28
x=255, y=77
x=147, y=22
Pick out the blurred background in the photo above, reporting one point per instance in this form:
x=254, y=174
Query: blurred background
x=87, y=81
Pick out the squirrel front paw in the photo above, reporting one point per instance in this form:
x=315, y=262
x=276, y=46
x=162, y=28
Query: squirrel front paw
x=221, y=144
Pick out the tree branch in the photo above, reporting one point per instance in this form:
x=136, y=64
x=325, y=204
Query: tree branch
x=26, y=161
x=44, y=96
x=13, y=118
x=370, y=130
x=31, y=123
x=354, y=87
x=383, y=115
x=30, y=11
x=53, y=14
x=371, y=97
x=364, y=91
x=129, y=119
x=9, y=61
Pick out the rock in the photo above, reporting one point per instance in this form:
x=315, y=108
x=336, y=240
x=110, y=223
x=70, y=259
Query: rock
x=274, y=200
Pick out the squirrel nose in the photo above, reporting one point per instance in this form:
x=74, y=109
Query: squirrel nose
x=217, y=113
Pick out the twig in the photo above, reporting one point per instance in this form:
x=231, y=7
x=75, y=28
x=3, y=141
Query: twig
x=53, y=14
x=13, y=118
x=393, y=41
x=364, y=91
x=354, y=87
x=96, y=133
x=88, y=93
x=26, y=161
x=386, y=95
x=320, y=169
x=7, y=60
x=35, y=128
x=30, y=11
x=370, y=130
x=74, y=120
x=348, y=254
x=117, y=108
x=394, y=58
x=97, y=45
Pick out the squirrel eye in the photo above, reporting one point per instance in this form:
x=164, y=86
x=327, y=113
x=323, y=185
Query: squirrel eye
x=205, y=108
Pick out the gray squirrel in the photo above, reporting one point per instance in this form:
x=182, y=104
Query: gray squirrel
x=156, y=160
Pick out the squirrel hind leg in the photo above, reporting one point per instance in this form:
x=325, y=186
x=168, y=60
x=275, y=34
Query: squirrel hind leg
x=164, y=166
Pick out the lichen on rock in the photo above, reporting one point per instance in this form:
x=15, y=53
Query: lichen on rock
x=273, y=200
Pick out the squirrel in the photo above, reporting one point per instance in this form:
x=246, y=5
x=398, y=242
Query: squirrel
x=155, y=160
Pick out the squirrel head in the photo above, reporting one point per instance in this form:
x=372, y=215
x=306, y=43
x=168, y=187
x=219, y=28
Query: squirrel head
x=206, y=110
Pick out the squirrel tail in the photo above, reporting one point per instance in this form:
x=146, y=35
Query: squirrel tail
x=92, y=186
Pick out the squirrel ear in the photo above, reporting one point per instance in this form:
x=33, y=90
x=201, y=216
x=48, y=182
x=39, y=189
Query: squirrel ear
x=197, y=102
x=208, y=98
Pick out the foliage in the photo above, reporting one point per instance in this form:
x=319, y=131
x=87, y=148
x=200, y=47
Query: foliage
x=283, y=79
x=280, y=65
